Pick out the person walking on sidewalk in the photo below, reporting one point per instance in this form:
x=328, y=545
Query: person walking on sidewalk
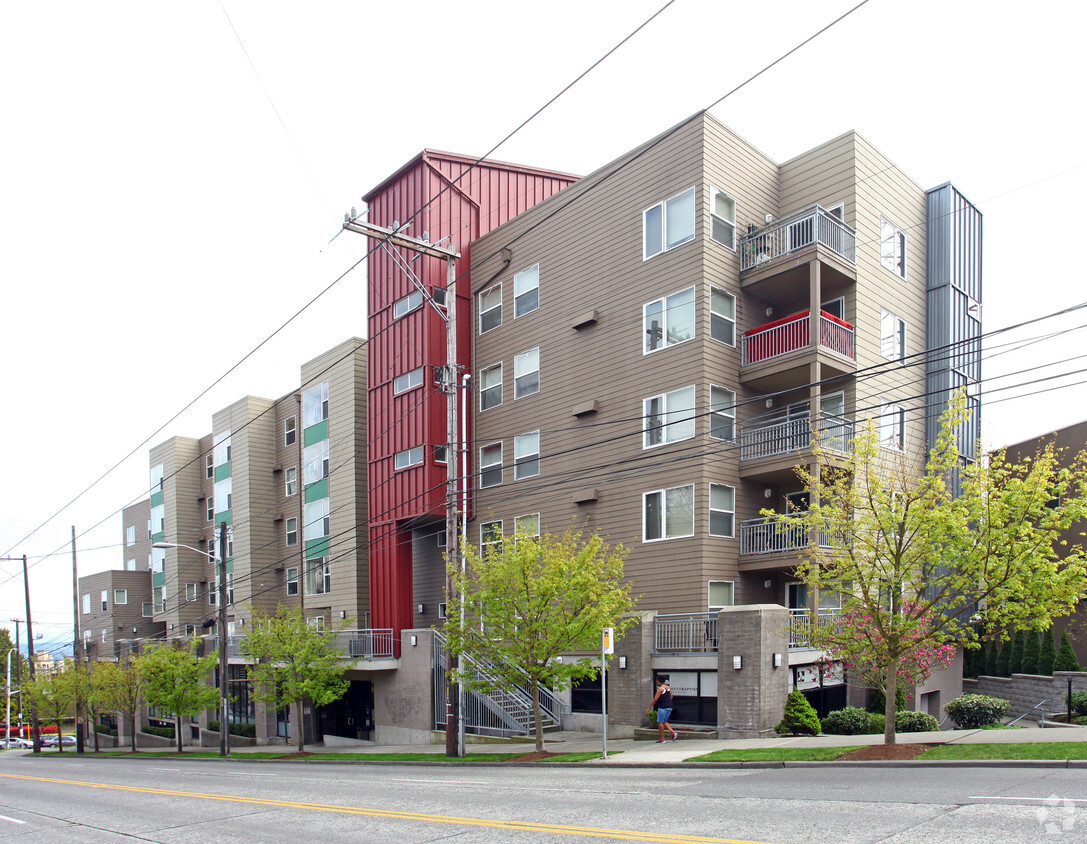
x=663, y=701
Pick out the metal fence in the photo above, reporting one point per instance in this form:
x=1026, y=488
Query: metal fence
x=776, y=536
x=807, y=227
x=685, y=632
x=800, y=625
x=785, y=434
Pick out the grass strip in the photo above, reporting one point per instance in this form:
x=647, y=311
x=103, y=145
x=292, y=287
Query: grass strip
x=773, y=754
x=1014, y=750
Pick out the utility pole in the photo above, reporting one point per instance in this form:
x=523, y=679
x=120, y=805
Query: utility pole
x=77, y=648
x=299, y=487
x=454, y=745
x=224, y=726
x=18, y=672
x=34, y=727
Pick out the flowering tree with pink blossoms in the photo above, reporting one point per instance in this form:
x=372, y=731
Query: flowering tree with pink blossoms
x=916, y=564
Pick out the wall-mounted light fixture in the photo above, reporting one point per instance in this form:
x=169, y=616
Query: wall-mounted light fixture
x=769, y=402
x=414, y=641
x=777, y=660
x=343, y=613
x=737, y=662
x=766, y=584
x=767, y=493
x=622, y=662
x=420, y=608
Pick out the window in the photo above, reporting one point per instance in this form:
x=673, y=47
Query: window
x=317, y=622
x=720, y=594
x=526, y=455
x=439, y=454
x=669, y=417
x=440, y=296
x=315, y=463
x=490, y=387
x=722, y=316
x=211, y=508
x=490, y=465
x=408, y=457
x=104, y=633
x=211, y=550
x=490, y=538
x=441, y=609
x=146, y=610
x=148, y=528
x=526, y=373
x=292, y=581
x=407, y=304
x=722, y=510
x=490, y=308
x=105, y=600
x=120, y=596
x=221, y=452
x=213, y=592
x=130, y=565
x=290, y=481
x=86, y=603
x=316, y=518
x=156, y=478
x=723, y=218
x=668, y=224
x=892, y=247
x=318, y=576
x=408, y=381
x=528, y=525
x=191, y=591
x=892, y=426
x=892, y=337
x=224, y=494
x=158, y=598
x=87, y=635
x=441, y=539
x=158, y=518
x=290, y=531
x=668, y=321
x=526, y=291
x=315, y=405
x=209, y=466
x=722, y=413
x=158, y=560
x=130, y=535
x=290, y=431
x=668, y=513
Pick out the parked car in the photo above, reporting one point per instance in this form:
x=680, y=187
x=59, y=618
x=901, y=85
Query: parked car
x=51, y=741
x=15, y=743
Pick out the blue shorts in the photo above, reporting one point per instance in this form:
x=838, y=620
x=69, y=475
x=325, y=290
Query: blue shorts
x=663, y=715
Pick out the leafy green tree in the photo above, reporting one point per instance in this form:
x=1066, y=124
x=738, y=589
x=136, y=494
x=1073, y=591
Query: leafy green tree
x=1032, y=652
x=121, y=686
x=1048, y=655
x=55, y=696
x=537, y=598
x=178, y=681
x=913, y=562
x=292, y=661
x=1066, y=656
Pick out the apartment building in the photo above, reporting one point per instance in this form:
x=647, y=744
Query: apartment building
x=654, y=350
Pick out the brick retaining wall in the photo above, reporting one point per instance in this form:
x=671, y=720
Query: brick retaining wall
x=1024, y=691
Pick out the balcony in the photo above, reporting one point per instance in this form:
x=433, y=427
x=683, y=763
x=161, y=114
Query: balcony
x=795, y=433
x=793, y=334
x=811, y=227
x=352, y=644
x=686, y=633
x=775, y=536
x=800, y=625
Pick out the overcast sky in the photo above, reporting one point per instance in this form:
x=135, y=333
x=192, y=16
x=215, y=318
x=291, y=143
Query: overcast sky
x=173, y=174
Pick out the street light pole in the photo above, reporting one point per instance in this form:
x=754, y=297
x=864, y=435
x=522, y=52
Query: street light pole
x=29, y=654
x=7, y=716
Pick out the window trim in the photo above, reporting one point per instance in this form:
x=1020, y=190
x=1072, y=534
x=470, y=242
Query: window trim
x=210, y=509
x=413, y=301
x=519, y=519
x=480, y=311
x=326, y=575
x=711, y=511
x=492, y=466
x=663, y=206
x=482, y=535
x=120, y=597
x=290, y=482
x=897, y=440
x=517, y=313
x=517, y=394
x=666, y=412
x=901, y=242
x=493, y=388
x=664, y=328
x=899, y=328
x=413, y=456
x=290, y=431
x=723, y=413
x=414, y=379
x=291, y=581
x=287, y=532
x=714, y=191
x=709, y=594
x=664, y=514
x=528, y=458
x=209, y=466
x=731, y=320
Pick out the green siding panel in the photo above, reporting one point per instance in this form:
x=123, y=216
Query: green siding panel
x=318, y=547
x=159, y=537
x=158, y=578
x=157, y=499
x=224, y=516
x=317, y=491
x=222, y=472
x=315, y=433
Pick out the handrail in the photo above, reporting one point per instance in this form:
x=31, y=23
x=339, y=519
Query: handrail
x=1039, y=706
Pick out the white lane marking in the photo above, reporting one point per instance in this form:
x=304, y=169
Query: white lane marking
x=13, y=820
x=1034, y=799
x=444, y=782
x=168, y=770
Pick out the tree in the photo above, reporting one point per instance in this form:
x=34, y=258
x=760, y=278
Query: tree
x=177, y=680
x=292, y=661
x=1032, y=653
x=121, y=686
x=1066, y=656
x=1004, y=661
x=1019, y=644
x=917, y=565
x=55, y=696
x=537, y=598
x=1048, y=655
x=992, y=658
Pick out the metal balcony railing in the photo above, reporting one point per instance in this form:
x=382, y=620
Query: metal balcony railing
x=685, y=632
x=800, y=625
x=786, y=434
x=792, y=333
x=774, y=536
x=807, y=227
x=365, y=643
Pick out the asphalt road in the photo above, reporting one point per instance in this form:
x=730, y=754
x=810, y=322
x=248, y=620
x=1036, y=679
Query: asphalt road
x=51, y=799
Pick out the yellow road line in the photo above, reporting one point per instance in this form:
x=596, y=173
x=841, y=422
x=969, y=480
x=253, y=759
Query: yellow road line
x=525, y=826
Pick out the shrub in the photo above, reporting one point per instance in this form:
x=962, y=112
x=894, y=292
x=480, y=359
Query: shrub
x=104, y=730
x=1079, y=703
x=244, y=730
x=908, y=721
x=846, y=722
x=1048, y=655
x=1004, y=661
x=799, y=717
x=1066, y=657
x=971, y=711
x=877, y=723
x=165, y=732
x=992, y=658
x=1019, y=643
x=1032, y=653
x=878, y=701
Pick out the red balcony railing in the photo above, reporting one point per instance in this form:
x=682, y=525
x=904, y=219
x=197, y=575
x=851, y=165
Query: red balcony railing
x=792, y=333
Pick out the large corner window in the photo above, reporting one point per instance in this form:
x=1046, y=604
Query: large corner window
x=224, y=494
x=318, y=576
x=158, y=518
x=722, y=413
x=221, y=450
x=669, y=417
x=490, y=387
x=316, y=464
x=156, y=478
x=526, y=373
x=669, y=320
x=526, y=291
x=490, y=465
x=526, y=455
x=722, y=316
x=668, y=224
x=315, y=404
x=892, y=426
x=723, y=218
x=722, y=510
x=490, y=309
x=668, y=513
x=892, y=247
x=316, y=515
x=892, y=337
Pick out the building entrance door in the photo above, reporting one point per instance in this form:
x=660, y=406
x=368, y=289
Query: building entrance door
x=352, y=716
